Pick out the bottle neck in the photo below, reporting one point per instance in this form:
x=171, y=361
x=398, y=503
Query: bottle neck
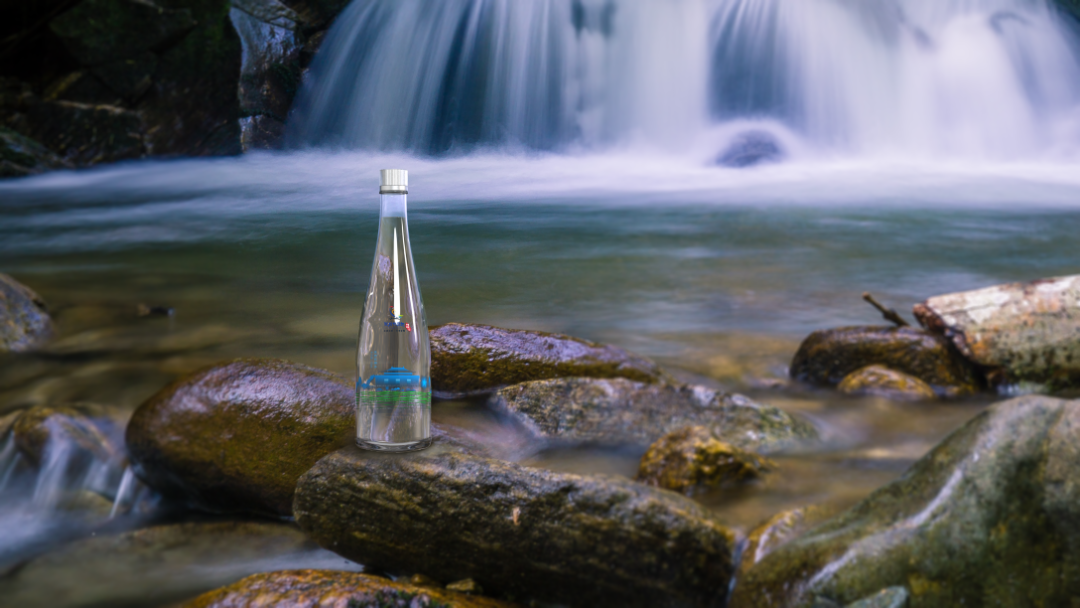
x=392, y=205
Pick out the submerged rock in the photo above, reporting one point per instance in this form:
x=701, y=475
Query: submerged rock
x=332, y=589
x=24, y=318
x=988, y=517
x=475, y=359
x=623, y=411
x=95, y=430
x=751, y=148
x=160, y=565
x=236, y=436
x=881, y=381
x=826, y=357
x=518, y=532
x=1021, y=332
x=694, y=458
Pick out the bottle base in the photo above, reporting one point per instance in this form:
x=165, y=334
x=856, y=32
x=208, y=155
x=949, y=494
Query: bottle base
x=379, y=446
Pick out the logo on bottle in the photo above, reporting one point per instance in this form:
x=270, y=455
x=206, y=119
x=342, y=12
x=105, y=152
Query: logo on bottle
x=395, y=321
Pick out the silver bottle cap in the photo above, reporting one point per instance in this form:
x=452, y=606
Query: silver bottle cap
x=394, y=181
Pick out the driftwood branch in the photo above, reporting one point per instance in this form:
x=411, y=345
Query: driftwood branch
x=889, y=314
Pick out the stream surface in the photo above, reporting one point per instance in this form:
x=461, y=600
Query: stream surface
x=717, y=274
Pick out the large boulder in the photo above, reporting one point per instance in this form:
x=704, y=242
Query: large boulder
x=332, y=589
x=623, y=411
x=476, y=359
x=989, y=517
x=237, y=436
x=270, y=73
x=826, y=357
x=1019, y=332
x=518, y=532
x=24, y=318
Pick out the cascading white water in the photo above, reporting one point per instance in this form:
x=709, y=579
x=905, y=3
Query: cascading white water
x=952, y=78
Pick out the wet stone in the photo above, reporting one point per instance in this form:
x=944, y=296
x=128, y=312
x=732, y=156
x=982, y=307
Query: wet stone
x=893, y=597
x=693, y=458
x=24, y=318
x=517, y=531
x=623, y=411
x=751, y=148
x=92, y=429
x=778, y=530
x=99, y=31
x=477, y=359
x=826, y=357
x=21, y=156
x=331, y=589
x=880, y=381
x=991, y=515
x=236, y=436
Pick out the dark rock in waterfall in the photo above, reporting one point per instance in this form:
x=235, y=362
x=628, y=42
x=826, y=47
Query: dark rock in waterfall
x=751, y=148
x=622, y=411
x=261, y=133
x=826, y=357
x=988, y=516
x=517, y=531
x=236, y=436
x=24, y=318
x=270, y=73
x=128, y=78
x=21, y=156
x=475, y=359
x=333, y=589
x=84, y=134
x=102, y=31
x=695, y=458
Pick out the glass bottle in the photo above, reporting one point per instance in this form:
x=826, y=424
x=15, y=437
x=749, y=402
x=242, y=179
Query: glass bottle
x=393, y=357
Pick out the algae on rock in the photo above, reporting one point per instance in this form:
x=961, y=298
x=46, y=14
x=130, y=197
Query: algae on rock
x=694, y=458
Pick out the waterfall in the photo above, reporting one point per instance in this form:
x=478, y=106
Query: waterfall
x=941, y=78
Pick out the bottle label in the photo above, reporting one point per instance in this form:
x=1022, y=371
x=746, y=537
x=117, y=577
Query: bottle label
x=392, y=399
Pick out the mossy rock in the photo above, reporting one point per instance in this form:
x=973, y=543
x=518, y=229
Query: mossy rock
x=622, y=411
x=25, y=324
x=778, y=530
x=476, y=359
x=91, y=429
x=694, y=458
x=237, y=436
x=991, y=516
x=331, y=589
x=826, y=357
x=880, y=381
x=100, y=31
x=517, y=531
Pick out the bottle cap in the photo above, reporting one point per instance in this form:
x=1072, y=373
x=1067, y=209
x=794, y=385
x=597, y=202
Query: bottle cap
x=394, y=181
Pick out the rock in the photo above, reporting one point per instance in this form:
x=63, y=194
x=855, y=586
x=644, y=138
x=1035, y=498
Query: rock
x=751, y=148
x=261, y=133
x=420, y=580
x=330, y=589
x=100, y=31
x=21, y=156
x=826, y=357
x=270, y=72
x=236, y=436
x=24, y=318
x=519, y=532
x=693, y=458
x=779, y=530
x=94, y=430
x=893, y=597
x=881, y=381
x=160, y=565
x=128, y=78
x=82, y=87
x=476, y=359
x=84, y=134
x=992, y=514
x=623, y=411
x=1021, y=332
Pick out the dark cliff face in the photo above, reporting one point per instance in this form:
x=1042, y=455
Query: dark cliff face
x=90, y=81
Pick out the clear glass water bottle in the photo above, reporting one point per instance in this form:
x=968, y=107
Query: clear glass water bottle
x=393, y=357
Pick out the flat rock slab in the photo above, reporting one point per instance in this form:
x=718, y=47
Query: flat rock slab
x=477, y=359
x=991, y=516
x=331, y=589
x=24, y=318
x=1021, y=331
x=623, y=411
x=826, y=357
x=520, y=532
x=237, y=436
